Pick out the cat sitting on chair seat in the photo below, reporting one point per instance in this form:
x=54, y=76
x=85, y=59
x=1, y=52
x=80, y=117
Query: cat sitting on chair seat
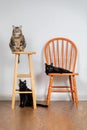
x=51, y=69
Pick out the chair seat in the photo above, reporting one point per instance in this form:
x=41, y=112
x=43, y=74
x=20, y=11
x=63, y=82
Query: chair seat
x=63, y=74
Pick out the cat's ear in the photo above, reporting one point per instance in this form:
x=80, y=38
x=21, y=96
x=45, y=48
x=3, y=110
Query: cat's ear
x=13, y=26
x=20, y=26
x=24, y=81
x=51, y=64
x=19, y=80
x=45, y=64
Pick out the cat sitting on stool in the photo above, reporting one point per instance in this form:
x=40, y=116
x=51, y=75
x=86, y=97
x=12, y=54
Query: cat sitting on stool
x=17, y=41
x=26, y=99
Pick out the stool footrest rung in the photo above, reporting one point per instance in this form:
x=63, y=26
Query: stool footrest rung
x=23, y=75
x=22, y=92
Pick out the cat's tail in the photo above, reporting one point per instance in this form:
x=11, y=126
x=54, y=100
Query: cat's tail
x=42, y=105
x=18, y=58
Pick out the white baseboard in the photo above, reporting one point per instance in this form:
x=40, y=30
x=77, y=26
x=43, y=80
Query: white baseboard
x=43, y=98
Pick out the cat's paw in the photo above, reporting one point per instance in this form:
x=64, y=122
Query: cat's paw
x=21, y=105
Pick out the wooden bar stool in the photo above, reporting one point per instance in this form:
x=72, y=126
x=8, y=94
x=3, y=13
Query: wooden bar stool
x=30, y=75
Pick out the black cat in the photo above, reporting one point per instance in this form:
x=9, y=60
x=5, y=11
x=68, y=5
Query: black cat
x=26, y=99
x=51, y=69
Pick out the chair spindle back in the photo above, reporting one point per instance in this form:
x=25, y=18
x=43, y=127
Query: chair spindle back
x=62, y=52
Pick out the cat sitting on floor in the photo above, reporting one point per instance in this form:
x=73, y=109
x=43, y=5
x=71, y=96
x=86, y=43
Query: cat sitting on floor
x=51, y=69
x=26, y=99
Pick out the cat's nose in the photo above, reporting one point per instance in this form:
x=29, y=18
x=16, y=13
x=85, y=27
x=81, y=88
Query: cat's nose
x=17, y=47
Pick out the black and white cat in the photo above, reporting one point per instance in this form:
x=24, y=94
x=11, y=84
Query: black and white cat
x=26, y=99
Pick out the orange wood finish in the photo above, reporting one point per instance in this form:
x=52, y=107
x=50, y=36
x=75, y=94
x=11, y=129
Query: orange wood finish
x=62, y=52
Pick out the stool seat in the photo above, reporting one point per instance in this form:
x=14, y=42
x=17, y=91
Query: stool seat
x=30, y=75
x=24, y=52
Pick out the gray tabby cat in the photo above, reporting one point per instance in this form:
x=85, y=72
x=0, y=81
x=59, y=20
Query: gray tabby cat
x=17, y=41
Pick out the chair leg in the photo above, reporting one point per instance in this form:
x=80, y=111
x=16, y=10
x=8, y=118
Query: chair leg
x=49, y=90
x=71, y=86
x=75, y=91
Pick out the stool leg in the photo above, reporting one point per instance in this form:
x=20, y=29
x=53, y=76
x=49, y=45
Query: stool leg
x=32, y=80
x=15, y=80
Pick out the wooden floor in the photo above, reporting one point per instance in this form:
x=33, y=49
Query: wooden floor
x=58, y=116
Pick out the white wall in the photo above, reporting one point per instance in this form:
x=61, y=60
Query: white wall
x=42, y=20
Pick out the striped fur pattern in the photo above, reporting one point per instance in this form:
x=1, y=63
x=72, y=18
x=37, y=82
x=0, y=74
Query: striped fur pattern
x=17, y=41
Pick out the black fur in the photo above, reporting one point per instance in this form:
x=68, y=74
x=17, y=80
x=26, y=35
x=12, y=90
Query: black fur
x=26, y=99
x=51, y=69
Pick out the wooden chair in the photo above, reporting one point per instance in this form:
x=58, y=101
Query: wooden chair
x=62, y=52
